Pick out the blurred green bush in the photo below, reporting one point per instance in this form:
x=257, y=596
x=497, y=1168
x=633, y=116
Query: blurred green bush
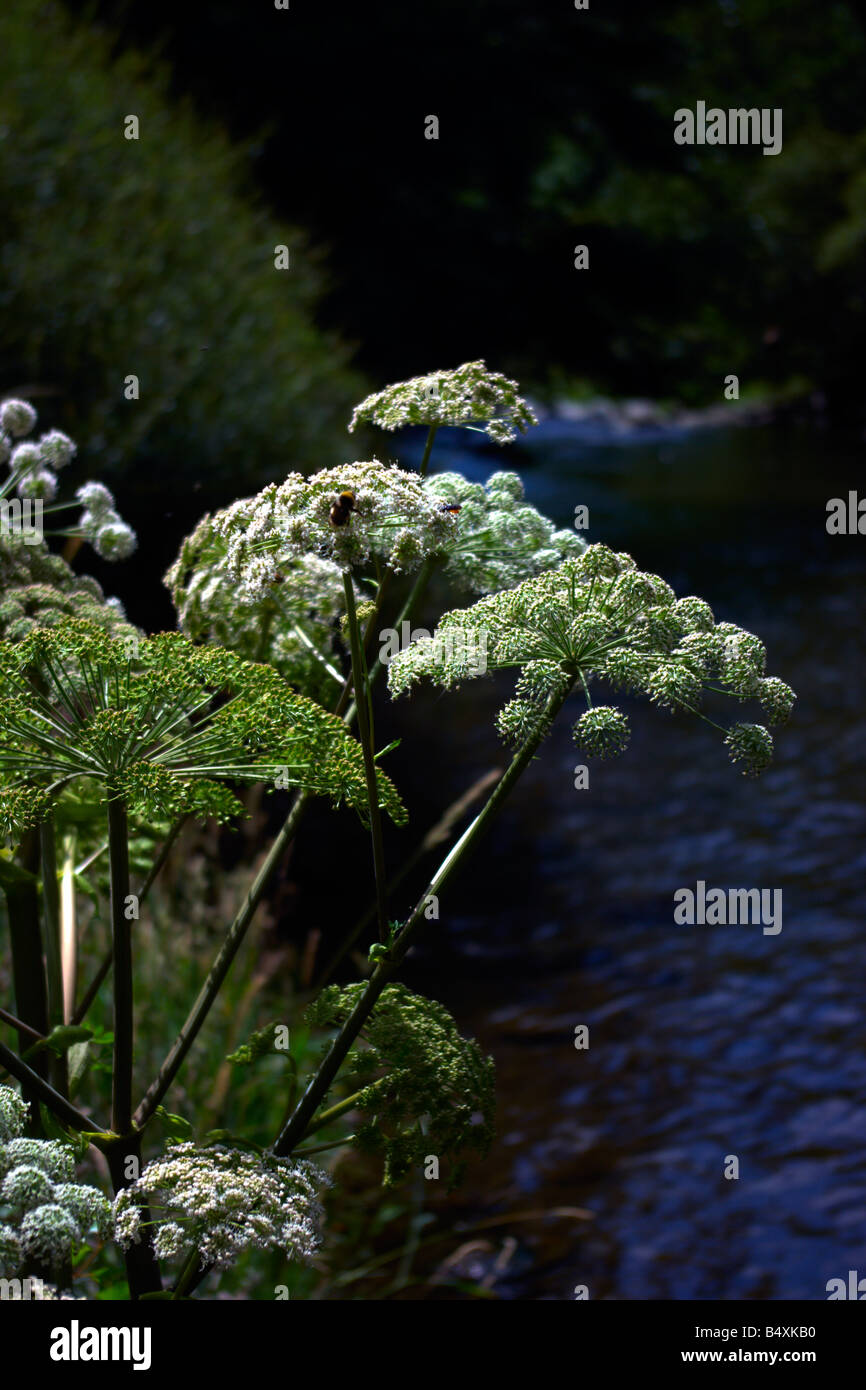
x=151, y=257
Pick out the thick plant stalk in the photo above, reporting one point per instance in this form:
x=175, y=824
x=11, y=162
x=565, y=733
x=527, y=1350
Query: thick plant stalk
x=121, y=936
x=79, y=1014
x=142, y=1267
x=318, y=1088
x=362, y=701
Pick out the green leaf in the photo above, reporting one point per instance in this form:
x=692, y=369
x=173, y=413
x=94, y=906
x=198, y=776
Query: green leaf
x=61, y=1039
x=174, y=1125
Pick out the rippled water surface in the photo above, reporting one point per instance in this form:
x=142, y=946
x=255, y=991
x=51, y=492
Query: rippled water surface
x=706, y=1041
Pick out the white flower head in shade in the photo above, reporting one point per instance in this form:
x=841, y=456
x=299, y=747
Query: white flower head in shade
x=600, y=618
x=96, y=500
x=13, y=1114
x=347, y=515
x=56, y=449
x=17, y=417
x=223, y=1201
x=45, y=1214
x=498, y=539
x=41, y=484
x=33, y=466
x=467, y=395
x=110, y=537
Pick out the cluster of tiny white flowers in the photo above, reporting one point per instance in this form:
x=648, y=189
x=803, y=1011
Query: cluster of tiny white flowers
x=288, y=621
x=499, y=539
x=43, y=1214
x=465, y=395
x=222, y=1201
x=392, y=517
x=33, y=467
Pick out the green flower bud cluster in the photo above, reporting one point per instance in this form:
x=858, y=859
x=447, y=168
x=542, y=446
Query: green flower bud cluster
x=38, y=589
x=163, y=724
x=425, y=1090
x=600, y=618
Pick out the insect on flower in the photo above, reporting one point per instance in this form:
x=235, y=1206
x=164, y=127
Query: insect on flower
x=342, y=509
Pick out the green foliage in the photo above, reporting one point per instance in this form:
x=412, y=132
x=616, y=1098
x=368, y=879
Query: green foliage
x=144, y=720
x=150, y=257
x=425, y=1090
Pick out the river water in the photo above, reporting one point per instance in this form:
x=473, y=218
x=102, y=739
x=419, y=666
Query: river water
x=706, y=1042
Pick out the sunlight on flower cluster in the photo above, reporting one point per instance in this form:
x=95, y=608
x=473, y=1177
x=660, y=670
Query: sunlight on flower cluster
x=463, y=396
x=390, y=518
x=499, y=539
x=289, y=621
x=601, y=618
x=223, y=1201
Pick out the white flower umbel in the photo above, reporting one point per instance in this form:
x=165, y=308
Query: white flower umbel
x=498, y=539
x=223, y=1201
x=347, y=515
x=290, y=622
x=46, y=1215
x=466, y=395
x=600, y=618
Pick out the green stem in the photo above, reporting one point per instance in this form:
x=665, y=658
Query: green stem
x=187, y=1274
x=66, y=1112
x=21, y=888
x=297, y=1127
x=428, y=447
x=328, y=1116
x=220, y=968
x=362, y=700
x=96, y=983
x=121, y=934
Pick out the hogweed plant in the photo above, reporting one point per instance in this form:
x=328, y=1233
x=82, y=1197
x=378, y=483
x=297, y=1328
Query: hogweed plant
x=279, y=598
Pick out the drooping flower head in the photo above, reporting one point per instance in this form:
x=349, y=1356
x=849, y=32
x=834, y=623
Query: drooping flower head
x=160, y=723
x=411, y=1063
x=600, y=618
x=467, y=395
x=223, y=1201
